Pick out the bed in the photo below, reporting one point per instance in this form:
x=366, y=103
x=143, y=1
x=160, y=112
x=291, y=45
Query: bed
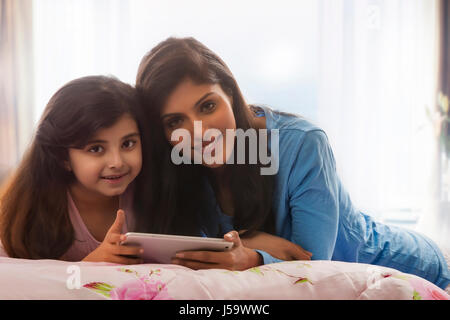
x=293, y=280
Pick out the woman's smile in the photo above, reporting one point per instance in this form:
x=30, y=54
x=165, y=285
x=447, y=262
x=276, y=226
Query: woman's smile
x=207, y=145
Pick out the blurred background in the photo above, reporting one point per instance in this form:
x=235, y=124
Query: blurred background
x=375, y=74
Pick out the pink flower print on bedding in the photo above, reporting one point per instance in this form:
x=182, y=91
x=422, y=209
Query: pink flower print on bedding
x=141, y=289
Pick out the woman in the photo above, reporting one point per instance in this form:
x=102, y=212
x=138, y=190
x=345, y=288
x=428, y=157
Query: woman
x=184, y=84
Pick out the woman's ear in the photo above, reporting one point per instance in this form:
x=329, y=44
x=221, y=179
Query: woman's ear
x=229, y=93
x=67, y=165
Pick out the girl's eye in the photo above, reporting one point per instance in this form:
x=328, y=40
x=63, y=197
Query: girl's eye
x=208, y=106
x=95, y=149
x=129, y=144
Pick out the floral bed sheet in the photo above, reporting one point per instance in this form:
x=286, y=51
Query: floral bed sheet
x=52, y=279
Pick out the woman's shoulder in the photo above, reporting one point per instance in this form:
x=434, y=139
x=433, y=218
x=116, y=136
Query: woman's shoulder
x=299, y=140
x=286, y=121
x=294, y=130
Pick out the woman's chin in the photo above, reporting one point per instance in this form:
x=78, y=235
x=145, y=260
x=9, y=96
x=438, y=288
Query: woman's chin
x=213, y=165
x=216, y=162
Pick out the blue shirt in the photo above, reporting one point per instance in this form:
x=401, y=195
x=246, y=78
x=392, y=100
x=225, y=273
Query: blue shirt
x=314, y=210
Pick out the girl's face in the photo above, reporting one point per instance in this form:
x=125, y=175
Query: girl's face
x=207, y=103
x=111, y=159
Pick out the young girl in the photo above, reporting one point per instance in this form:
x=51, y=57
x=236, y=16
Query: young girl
x=63, y=201
x=181, y=82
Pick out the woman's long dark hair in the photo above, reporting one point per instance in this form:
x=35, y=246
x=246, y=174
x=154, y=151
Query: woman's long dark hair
x=34, y=219
x=177, y=191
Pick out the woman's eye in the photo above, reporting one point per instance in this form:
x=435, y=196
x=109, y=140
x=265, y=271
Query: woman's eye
x=129, y=144
x=208, y=106
x=95, y=149
x=173, y=123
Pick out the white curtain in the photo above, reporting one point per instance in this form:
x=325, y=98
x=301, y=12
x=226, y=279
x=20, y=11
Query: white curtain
x=80, y=38
x=16, y=81
x=270, y=47
x=377, y=78
x=364, y=70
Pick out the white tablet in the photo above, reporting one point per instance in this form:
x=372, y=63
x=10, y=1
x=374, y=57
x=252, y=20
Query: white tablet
x=161, y=248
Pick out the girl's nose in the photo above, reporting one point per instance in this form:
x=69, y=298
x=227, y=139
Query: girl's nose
x=115, y=161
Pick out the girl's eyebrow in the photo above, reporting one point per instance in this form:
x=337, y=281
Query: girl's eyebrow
x=123, y=138
x=195, y=105
x=131, y=135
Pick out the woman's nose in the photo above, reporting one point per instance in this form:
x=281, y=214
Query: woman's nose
x=196, y=129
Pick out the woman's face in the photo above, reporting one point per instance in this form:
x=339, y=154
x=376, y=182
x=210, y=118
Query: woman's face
x=209, y=104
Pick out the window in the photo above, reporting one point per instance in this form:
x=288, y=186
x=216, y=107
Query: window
x=364, y=70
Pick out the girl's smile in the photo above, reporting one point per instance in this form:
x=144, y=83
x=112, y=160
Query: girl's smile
x=114, y=179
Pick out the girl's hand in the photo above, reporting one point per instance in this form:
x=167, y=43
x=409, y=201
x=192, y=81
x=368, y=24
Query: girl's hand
x=238, y=258
x=277, y=247
x=110, y=249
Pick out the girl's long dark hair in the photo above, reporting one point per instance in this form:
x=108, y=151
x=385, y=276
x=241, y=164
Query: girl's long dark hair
x=34, y=219
x=177, y=191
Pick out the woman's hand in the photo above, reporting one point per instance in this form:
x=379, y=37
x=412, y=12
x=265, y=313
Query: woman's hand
x=277, y=247
x=110, y=249
x=238, y=258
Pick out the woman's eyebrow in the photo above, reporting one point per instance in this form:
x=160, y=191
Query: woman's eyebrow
x=203, y=98
x=195, y=105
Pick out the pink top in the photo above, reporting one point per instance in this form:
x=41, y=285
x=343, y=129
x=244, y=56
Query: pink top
x=85, y=242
